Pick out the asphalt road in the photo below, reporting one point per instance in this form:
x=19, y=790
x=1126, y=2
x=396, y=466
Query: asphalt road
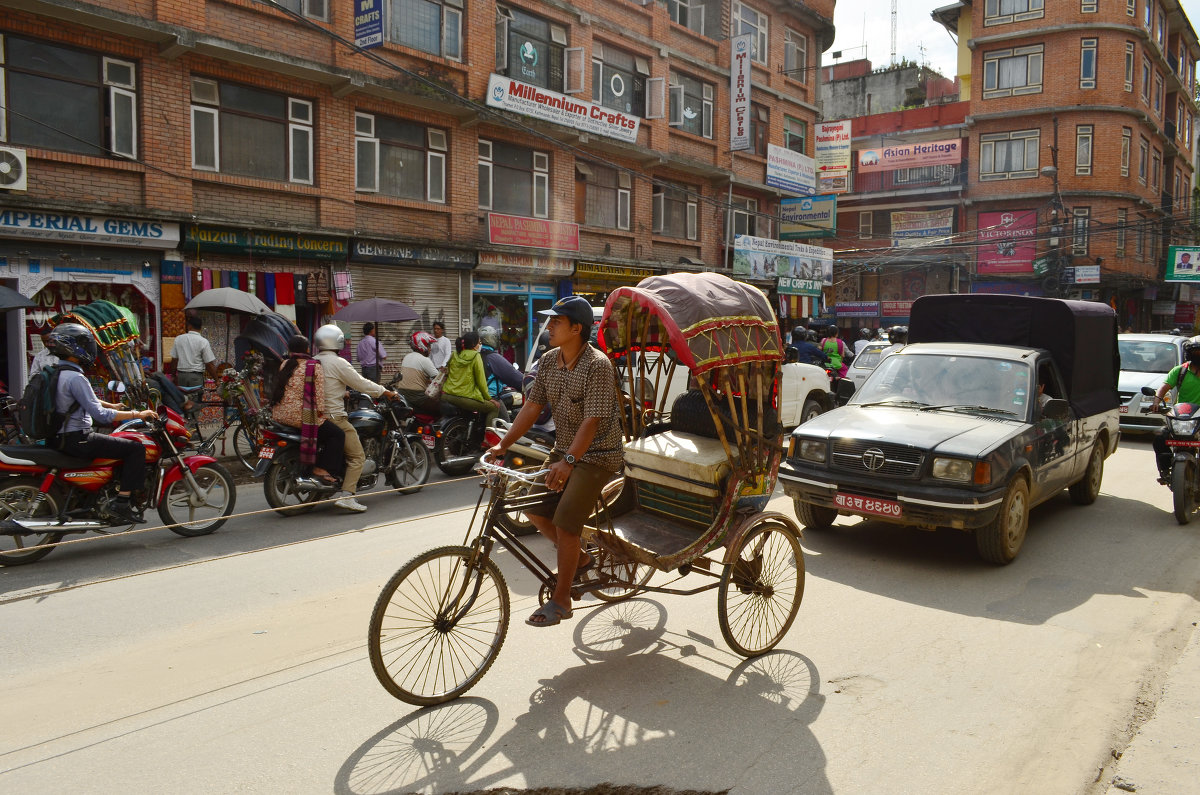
x=237, y=662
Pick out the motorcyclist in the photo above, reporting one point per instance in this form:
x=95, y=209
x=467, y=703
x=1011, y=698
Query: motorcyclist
x=898, y=335
x=808, y=351
x=340, y=375
x=864, y=339
x=75, y=347
x=838, y=353
x=1186, y=379
x=417, y=370
x=500, y=372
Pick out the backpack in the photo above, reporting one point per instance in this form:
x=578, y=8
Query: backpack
x=35, y=410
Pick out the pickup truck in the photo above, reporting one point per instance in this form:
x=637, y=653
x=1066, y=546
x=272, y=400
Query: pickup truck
x=997, y=404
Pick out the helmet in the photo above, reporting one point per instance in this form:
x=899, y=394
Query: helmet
x=329, y=338
x=898, y=334
x=489, y=336
x=812, y=336
x=543, y=345
x=1191, y=349
x=866, y=333
x=73, y=339
x=421, y=341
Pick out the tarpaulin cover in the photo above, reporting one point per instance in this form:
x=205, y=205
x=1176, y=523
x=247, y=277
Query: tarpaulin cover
x=1080, y=335
x=267, y=333
x=707, y=319
x=109, y=323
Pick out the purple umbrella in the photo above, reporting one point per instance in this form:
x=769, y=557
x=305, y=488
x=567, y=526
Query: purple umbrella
x=377, y=310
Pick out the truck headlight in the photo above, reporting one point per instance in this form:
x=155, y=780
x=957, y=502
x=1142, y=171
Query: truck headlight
x=957, y=469
x=812, y=450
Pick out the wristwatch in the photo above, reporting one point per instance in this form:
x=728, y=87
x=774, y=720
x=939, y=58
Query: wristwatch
x=570, y=459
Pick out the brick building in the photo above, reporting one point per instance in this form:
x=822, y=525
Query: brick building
x=168, y=147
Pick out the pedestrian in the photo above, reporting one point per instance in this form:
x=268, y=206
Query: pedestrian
x=45, y=357
x=442, y=348
x=371, y=353
x=193, y=356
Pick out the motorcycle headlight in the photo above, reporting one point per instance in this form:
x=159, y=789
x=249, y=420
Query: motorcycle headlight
x=956, y=469
x=811, y=450
x=1183, y=427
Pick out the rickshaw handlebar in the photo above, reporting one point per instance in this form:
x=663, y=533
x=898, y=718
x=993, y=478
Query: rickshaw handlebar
x=532, y=478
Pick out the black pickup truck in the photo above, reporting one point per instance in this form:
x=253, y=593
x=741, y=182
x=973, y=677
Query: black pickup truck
x=997, y=404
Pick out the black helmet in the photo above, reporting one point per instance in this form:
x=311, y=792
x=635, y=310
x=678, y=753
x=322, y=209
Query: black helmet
x=1176, y=332
x=898, y=334
x=813, y=336
x=1191, y=349
x=73, y=339
x=865, y=333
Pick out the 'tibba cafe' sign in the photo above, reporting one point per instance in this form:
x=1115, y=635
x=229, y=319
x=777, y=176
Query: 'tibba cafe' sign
x=540, y=103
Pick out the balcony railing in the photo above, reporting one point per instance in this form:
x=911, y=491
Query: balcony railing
x=909, y=179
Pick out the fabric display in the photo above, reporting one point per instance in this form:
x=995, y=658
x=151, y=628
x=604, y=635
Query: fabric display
x=268, y=280
x=343, y=286
x=285, y=295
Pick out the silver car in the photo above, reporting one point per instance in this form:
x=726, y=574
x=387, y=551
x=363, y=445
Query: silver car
x=1145, y=361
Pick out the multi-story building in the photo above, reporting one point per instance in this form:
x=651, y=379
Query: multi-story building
x=485, y=158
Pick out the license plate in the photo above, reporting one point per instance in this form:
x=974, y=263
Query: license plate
x=266, y=452
x=1181, y=443
x=868, y=505
x=1123, y=409
x=429, y=440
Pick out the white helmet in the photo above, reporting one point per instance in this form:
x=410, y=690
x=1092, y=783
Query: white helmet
x=489, y=336
x=329, y=338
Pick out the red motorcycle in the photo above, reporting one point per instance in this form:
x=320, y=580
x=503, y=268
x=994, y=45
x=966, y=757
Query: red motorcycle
x=45, y=494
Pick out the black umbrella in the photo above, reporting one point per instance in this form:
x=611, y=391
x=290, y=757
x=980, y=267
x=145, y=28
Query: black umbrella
x=10, y=299
x=377, y=310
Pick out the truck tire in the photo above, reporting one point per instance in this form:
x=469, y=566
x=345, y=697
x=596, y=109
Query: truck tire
x=814, y=517
x=1087, y=489
x=811, y=409
x=1000, y=540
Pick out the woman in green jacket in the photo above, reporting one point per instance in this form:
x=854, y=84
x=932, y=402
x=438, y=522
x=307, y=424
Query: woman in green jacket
x=466, y=383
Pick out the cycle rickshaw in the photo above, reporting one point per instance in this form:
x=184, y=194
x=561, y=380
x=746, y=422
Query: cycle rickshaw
x=696, y=481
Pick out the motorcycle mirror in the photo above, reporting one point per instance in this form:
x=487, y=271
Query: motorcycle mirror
x=1148, y=391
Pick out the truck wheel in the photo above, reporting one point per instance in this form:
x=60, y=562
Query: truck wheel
x=1000, y=540
x=1087, y=489
x=815, y=517
x=811, y=409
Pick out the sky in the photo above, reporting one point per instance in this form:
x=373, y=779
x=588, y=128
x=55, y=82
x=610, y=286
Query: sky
x=869, y=23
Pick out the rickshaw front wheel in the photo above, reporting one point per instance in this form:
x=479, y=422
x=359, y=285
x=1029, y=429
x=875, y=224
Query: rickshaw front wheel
x=761, y=591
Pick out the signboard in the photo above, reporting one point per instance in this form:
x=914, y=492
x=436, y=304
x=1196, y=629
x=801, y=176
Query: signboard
x=791, y=171
x=739, y=91
x=368, y=23
x=857, y=309
x=400, y=254
x=541, y=103
x=832, y=147
x=808, y=216
x=1182, y=264
x=1185, y=314
x=517, y=230
x=1162, y=308
x=895, y=308
x=799, y=268
x=1087, y=274
x=918, y=228
x=521, y=265
x=268, y=244
x=1007, y=241
x=914, y=155
x=101, y=229
x=602, y=272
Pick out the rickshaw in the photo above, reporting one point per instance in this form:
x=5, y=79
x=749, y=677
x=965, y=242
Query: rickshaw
x=116, y=331
x=692, y=497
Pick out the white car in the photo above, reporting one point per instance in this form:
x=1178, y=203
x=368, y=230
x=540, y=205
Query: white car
x=865, y=362
x=1145, y=361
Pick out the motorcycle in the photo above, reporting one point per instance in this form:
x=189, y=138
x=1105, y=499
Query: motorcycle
x=45, y=494
x=459, y=435
x=528, y=454
x=1182, y=438
x=391, y=443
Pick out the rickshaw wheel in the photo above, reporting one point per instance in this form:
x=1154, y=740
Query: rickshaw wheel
x=627, y=576
x=438, y=626
x=761, y=591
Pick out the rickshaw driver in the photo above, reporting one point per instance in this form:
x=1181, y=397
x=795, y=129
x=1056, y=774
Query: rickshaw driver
x=579, y=383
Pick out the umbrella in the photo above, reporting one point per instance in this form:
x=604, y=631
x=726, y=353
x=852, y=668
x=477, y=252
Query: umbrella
x=228, y=299
x=10, y=299
x=377, y=309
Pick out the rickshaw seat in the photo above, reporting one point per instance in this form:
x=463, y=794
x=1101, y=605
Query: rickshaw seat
x=682, y=461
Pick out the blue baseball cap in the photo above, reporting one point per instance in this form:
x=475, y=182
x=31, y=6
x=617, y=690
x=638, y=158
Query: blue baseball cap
x=574, y=307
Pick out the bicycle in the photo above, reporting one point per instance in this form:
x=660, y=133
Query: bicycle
x=241, y=413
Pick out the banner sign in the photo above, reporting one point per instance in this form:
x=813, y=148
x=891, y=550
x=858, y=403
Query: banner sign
x=1007, y=241
x=832, y=148
x=368, y=23
x=1182, y=264
x=101, y=229
x=400, y=254
x=268, y=244
x=914, y=228
x=517, y=230
x=521, y=266
x=1162, y=308
x=1087, y=274
x=914, y=155
x=808, y=216
x=541, y=103
x=791, y=171
x=799, y=268
x=739, y=91
x=895, y=308
x=1185, y=314
x=857, y=309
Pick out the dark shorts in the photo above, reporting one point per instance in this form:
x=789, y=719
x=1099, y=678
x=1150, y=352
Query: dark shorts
x=570, y=508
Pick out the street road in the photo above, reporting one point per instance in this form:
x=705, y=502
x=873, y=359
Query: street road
x=237, y=662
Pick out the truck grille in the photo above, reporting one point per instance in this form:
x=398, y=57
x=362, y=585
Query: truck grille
x=1125, y=397
x=898, y=461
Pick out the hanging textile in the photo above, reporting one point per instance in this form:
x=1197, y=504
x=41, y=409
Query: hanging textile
x=268, y=280
x=284, y=289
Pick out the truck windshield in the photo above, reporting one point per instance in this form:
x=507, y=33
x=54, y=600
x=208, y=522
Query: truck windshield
x=926, y=379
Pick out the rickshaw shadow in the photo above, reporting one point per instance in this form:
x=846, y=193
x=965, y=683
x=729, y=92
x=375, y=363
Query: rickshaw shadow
x=642, y=706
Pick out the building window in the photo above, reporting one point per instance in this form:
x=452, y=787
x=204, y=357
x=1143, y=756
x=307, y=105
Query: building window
x=1146, y=80
x=701, y=16
x=1126, y=145
x=317, y=9
x=1011, y=155
x=1140, y=238
x=66, y=99
x=399, y=158
x=744, y=218
x=1012, y=72
x=795, y=55
x=919, y=175
x=1083, y=149
x=1131, y=7
x=999, y=12
x=530, y=49
x=1122, y=223
x=241, y=130
x=1158, y=93
x=1156, y=170
x=866, y=224
x=795, y=134
x=760, y=126
x=1187, y=139
x=691, y=105
x=1178, y=193
x=432, y=26
x=1143, y=159
x=675, y=213
x=605, y=195
x=1080, y=220
x=746, y=20
x=619, y=79
x=1147, y=14
x=1088, y=6
x=1087, y=63
x=513, y=179
x=1162, y=31
x=1129, y=66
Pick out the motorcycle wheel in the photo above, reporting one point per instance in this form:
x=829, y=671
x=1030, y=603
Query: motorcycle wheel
x=179, y=512
x=453, y=452
x=1182, y=477
x=413, y=462
x=279, y=486
x=16, y=497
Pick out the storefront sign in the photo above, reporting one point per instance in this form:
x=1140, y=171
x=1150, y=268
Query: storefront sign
x=808, y=216
x=267, y=244
x=920, y=228
x=739, y=91
x=101, y=229
x=1162, y=308
x=1185, y=314
x=1087, y=274
x=1007, y=241
x=914, y=155
x=791, y=171
x=524, y=265
x=540, y=103
x=368, y=23
x=800, y=269
x=595, y=271
x=1182, y=264
x=517, y=230
x=832, y=148
x=895, y=308
x=399, y=254
x=857, y=309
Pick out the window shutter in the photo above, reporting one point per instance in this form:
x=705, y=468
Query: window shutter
x=205, y=91
x=502, y=45
x=676, y=119
x=366, y=165
x=574, y=67
x=435, y=177
x=123, y=122
x=205, y=154
x=301, y=155
x=654, y=97
x=692, y=233
x=657, y=213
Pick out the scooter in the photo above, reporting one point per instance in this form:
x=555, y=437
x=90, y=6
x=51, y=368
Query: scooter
x=1183, y=421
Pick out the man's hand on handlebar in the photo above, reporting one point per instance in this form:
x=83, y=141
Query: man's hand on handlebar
x=495, y=453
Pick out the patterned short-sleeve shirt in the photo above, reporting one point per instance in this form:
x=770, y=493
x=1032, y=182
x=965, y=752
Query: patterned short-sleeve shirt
x=588, y=389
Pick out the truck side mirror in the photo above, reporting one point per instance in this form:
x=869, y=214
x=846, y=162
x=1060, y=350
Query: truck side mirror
x=845, y=391
x=1056, y=409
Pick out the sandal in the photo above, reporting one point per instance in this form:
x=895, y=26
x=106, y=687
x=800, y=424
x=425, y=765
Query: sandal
x=550, y=613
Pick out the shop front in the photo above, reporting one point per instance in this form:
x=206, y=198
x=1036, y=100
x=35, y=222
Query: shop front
x=595, y=280
x=64, y=260
x=507, y=292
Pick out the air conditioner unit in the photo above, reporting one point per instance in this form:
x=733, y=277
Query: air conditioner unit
x=13, y=169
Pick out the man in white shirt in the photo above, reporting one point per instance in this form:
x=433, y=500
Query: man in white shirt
x=193, y=356
x=442, y=348
x=45, y=357
x=863, y=341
